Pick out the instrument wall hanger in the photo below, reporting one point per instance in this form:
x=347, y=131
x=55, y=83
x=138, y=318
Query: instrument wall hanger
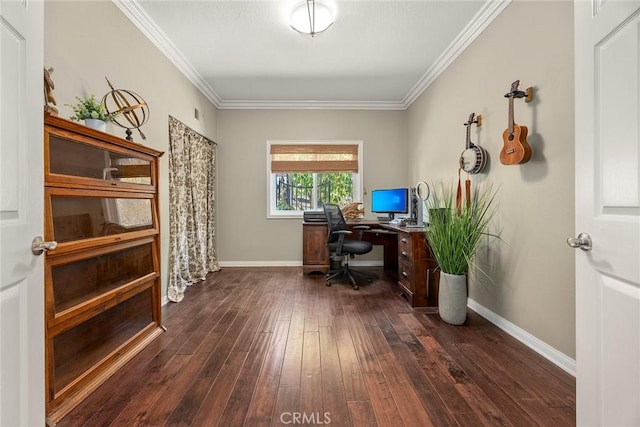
x=477, y=120
x=527, y=94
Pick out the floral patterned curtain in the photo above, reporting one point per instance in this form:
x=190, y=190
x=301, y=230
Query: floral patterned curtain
x=192, y=252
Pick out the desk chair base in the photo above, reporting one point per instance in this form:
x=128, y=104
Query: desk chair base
x=345, y=271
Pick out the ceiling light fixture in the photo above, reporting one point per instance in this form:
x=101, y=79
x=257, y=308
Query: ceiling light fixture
x=311, y=17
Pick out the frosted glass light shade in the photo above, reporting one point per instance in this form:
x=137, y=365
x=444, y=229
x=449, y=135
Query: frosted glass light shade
x=311, y=17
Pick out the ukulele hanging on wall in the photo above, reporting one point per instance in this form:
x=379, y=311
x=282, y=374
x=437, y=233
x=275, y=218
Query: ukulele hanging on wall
x=516, y=150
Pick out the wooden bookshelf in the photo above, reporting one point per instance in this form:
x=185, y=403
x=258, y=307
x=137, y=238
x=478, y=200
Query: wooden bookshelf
x=102, y=282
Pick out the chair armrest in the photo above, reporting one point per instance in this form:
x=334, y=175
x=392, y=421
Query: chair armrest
x=361, y=229
x=341, y=234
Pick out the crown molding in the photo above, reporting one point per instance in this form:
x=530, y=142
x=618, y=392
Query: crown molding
x=148, y=27
x=311, y=105
x=478, y=24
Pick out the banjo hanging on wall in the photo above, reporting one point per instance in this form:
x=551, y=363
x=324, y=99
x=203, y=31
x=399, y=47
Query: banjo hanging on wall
x=474, y=158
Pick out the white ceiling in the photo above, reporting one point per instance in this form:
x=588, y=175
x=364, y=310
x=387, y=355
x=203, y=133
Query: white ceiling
x=379, y=54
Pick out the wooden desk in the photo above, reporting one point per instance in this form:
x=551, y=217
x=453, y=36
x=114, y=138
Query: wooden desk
x=407, y=257
x=315, y=253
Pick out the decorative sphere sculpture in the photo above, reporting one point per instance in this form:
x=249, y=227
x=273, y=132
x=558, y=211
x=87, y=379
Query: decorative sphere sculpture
x=129, y=109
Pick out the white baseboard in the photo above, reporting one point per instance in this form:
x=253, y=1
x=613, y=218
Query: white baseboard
x=560, y=359
x=372, y=263
x=260, y=263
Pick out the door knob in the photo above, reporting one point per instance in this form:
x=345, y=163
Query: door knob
x=583, y=241
x=38, y=245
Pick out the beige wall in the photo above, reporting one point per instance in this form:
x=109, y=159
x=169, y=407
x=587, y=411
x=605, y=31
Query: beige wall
x=532, y=270
x=86, y=41
x=245, y=235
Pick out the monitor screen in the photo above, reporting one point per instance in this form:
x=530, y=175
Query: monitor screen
x=390, y=201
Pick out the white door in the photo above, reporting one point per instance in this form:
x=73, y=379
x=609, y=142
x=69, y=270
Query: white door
x=607, y=93
x=22, y=390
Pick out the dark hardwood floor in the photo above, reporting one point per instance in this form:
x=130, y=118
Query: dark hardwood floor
x=269, y=346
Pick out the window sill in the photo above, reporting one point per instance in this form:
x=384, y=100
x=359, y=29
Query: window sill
x=285, y=216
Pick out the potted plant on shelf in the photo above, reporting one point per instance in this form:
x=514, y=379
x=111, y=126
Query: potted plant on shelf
x=454, y=235
x=93, y=113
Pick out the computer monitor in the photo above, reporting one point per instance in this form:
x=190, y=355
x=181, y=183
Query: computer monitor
x=390, y=201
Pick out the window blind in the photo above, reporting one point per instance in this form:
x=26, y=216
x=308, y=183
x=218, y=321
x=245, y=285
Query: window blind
x=314, y=158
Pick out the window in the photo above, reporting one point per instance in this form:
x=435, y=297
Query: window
x=304, y=175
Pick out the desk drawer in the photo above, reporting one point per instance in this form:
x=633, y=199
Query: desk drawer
x=405, y=249
x=405, y=274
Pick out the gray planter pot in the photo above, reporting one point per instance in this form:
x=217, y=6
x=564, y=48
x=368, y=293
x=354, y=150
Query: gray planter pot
x=452, y=298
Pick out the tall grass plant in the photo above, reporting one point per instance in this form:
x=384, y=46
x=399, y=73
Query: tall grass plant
x=454, y=235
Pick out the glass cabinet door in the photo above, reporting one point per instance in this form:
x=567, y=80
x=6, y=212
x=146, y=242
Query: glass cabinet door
x=82, y=280
x=75, y=159
x=78, y=217
x=82, y=347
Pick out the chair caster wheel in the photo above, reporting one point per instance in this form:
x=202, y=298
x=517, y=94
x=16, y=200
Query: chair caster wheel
x=356, y=287
x=328, y=284
x=369, y=280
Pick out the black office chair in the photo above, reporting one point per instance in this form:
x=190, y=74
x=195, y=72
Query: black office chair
x=341, y=248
